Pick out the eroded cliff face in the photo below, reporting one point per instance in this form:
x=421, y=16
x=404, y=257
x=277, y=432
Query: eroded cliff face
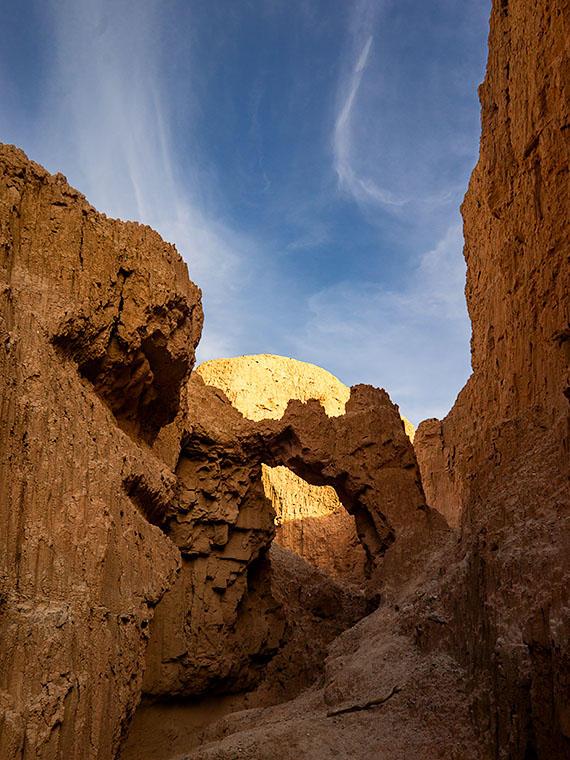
x=98, y=324
x=503, y=449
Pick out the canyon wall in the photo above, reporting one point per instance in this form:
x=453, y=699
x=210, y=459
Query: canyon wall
x=98, y=325
x=503, y=449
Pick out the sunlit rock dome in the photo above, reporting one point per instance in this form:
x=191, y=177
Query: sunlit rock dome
x=261, y=385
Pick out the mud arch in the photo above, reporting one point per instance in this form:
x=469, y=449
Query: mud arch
x=219, y=625
x=364, y=455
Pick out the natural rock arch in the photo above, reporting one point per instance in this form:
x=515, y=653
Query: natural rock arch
x=261, y=387
x=311, y=522
x=219, y=625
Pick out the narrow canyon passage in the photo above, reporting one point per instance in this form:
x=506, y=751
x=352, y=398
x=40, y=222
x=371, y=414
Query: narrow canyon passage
x=137, y=520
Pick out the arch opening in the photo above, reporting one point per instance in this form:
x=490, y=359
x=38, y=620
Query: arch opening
x=312, y=522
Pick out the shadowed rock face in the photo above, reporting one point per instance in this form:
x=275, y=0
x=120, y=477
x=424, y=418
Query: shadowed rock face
x=98, y=324
x=503, y=450
x=220, y=625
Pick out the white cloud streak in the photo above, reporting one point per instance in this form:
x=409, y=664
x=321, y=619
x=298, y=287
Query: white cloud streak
x=110, y=132
x=393, y=147
x=391, y=159
x=362, y=188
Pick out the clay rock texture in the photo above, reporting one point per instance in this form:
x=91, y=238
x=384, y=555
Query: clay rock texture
x=381, y=697
x=261, y=386
x=439, y=480
x=317, y=609
x=310, y=520
x=219, y=625
x=98, y=324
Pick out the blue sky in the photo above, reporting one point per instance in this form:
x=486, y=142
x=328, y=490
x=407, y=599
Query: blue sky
x=307, y=157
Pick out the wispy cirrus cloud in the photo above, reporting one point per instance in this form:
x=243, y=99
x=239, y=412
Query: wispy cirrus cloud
x=342, y=126
x=402, y=150
x=108, y=122
x=400, y=140
x=363, y=189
